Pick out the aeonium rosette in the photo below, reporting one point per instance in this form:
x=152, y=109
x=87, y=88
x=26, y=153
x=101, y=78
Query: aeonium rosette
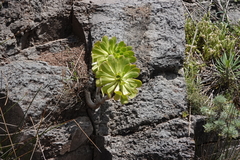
x=116, y=77
x=106, y=47
x=115, y=74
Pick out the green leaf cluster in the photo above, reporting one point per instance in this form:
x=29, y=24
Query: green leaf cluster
x=228, y=68
x=212, y=62
x=106, y=47
x=115, y=73
x=211, y=68
x=222, y=117
x=208, y=39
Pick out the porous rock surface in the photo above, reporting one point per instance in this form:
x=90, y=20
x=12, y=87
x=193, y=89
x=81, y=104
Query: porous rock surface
x=149, y=127
x=29, y=29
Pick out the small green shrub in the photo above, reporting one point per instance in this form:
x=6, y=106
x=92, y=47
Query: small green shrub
x=194, y=96
x=208, y=39
x=228, y=69
x=235, y=32
x=211, y=68
x=222, y=117
x=208, y=69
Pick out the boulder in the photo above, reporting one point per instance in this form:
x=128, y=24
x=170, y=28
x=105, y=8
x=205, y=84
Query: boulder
x=39, y=50
x=150, y=126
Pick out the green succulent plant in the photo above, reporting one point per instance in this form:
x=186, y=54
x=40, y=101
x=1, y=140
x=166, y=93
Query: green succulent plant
x=114, y=72
x=116, y=77
x=106, y=47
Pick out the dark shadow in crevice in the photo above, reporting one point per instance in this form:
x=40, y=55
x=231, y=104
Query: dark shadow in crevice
x=77, y=29
x=52, y=29
x=99, y=120
x=104, y=154
x=169, y=75
x=12, y=114
x=12, y=121
x=5, y=4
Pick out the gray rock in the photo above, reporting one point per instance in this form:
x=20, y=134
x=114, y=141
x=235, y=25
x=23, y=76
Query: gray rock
x=151, y=122
x=38, y=88
x=67, y=139
x=41, y=91
x=159, y=100
x=33, y=85
x=233, y=13
x=28, y=23
x=149, y=127
x=10, y=109
x=153, y=28
x=160, y=142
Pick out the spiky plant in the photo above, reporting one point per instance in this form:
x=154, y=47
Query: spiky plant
x=228, y=68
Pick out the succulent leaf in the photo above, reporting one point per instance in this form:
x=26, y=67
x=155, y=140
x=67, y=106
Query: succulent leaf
x=116, y=77
x=106, y=47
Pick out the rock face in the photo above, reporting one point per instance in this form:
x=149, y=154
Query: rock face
x=37, y=49
x=35, y=75
x=150, y=126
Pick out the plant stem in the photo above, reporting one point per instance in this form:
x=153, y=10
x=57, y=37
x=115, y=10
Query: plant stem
x=99, y=101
